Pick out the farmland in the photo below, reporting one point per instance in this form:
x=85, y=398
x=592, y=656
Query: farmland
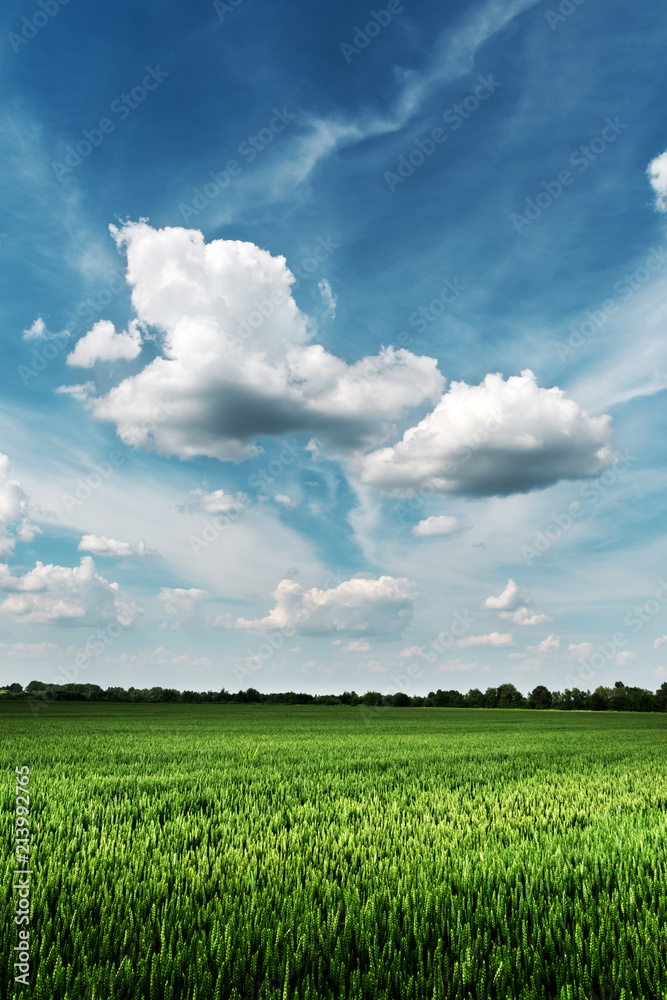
x=231, y=851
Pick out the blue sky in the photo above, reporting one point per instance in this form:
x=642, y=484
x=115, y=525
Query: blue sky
x=362, y=389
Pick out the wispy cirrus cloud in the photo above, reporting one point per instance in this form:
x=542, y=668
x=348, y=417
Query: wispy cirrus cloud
x=452, y=56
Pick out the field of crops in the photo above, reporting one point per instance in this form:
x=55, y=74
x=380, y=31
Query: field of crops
x=294, y=852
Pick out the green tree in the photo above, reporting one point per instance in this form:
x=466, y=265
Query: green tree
x=474, y=698
x=509, y=697
x=540, y=697
x=373, y=698
x=600, y=700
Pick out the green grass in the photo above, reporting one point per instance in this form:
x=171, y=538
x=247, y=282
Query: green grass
x=294, y=852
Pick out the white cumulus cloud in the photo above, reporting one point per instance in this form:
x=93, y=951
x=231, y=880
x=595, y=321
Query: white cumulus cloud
x=507, y=606
x=285, y=500
x=525, y=616
x=460, y=665
x=222, y=621
x=30, y=650
x=15, y=520
x=411, y=651
x=508, y=600
x=52, y=594
x=581, y=651
x=216, y=502
x=37, y=331
x=660, y=642
x=657, y=173
x=237, y=360
x=81, y=391
x=102, y=343
x=433, y=526
x=183, y=605
x=99, y=545
x=495, y=439
x=492, y=639
x=549, y=645
x=370, y=607
x=356, y=646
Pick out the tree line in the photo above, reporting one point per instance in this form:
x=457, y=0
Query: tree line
x=618, y=698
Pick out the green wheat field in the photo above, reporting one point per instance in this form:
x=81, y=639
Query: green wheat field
x=298, y=852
